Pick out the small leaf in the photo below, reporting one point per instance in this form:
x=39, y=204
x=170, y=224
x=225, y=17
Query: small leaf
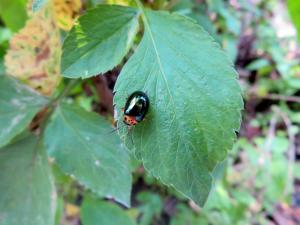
x=99, y=41
x=94, y=212
x=13, y=13
x=18, y=106
x=150, y=207
x=195, y=103
x=27, y=193
x=83, y=146
x=294, y=10
x=38, y=4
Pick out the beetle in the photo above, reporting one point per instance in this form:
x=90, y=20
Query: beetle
x=136, y=108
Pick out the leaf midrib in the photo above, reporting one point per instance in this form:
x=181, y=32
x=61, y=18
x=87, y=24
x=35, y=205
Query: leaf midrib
x=144, y=17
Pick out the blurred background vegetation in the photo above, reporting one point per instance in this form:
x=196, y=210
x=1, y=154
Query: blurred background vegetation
x=259, y=183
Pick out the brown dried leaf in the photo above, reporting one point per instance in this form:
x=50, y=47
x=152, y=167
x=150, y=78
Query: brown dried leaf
x=34, y=54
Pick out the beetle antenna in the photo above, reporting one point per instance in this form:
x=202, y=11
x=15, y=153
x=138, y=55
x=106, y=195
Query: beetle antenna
x=129, y=133
x=117, y=128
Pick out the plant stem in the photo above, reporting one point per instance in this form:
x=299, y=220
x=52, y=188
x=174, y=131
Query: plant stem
x=141, y=7
x=291, y=152
x=66, y=91
x=282, y=98
x=53, y=103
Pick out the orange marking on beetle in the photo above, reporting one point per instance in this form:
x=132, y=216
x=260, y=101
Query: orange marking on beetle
x=129, y=120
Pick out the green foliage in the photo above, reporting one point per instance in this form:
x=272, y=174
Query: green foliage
x=151, y=208
x=198, y=13
x=99, y=41
x=27, y=191
x=294, y=9
x=186, y=216
x=182, y=130
x=84, y=147
x=18, y=105
x=94, y=212
x=182, y=139
x=13, y=13
x=195, y=104
x=5, y=35
x=233, y=201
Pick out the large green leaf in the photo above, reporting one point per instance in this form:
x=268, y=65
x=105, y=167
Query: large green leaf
x=83, y=146
x=294, y=10
x=94, y=212
x=27, y=193
x=99, y=41
x=195, y=103
x=13, y=13
x=18, y=105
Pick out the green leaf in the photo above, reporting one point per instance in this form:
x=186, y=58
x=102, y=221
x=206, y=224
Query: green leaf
x=2, y=67
x=38, y=4
x=83, y=146
x=59, y=210
x=294, y=10
x=99, y=41
x=27, y=193
x=18, y=105
x=185, y=215
x=150, y=207
x=94, y=212
x=195, y=103
x=198, y=13
x=13, y=13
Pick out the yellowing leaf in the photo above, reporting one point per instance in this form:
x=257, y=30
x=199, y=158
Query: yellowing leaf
x=119, y=2
x=34, y=54
x=65, y=12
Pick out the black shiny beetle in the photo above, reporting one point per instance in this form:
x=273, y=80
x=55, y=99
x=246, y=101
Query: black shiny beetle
x=136, y=108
